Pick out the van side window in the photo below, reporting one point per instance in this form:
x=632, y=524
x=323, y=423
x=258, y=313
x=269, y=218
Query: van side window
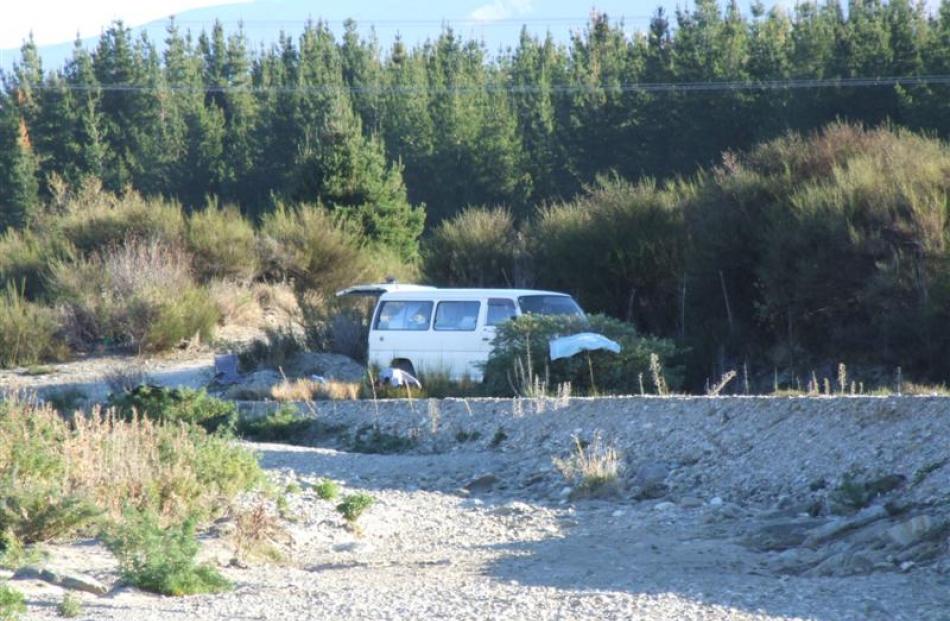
x=399, y=315
x=500, y=310
x=456, y=316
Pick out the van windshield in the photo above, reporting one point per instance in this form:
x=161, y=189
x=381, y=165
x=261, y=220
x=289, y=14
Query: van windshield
x=550, y=305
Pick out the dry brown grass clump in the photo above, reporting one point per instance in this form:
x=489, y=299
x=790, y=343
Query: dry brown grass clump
x=310, y=390
x=594, y=467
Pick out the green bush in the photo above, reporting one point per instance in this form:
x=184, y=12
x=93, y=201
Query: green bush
x=93, y=219
x=283, y=425
x=162, y=560
x=510, y=364
x=58, y=475
x=619, y=247
x=327, y=489
x=479, y=247
x=311, y=247
x=223, y=244
x=353, y=506
x=12, y=603
x=70, y=607
x=25, y=258
x=29, y=333
x=177, y=405
x=140, y=294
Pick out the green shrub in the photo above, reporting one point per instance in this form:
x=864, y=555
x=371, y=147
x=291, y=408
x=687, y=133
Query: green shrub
x=312, y=248
x=619, y=247
x=25, y=257
x=479, y=247
x=327, y=489
x=372, y=439
x=162, y=560
x=223, y=244
x=509, y=364
x=33, y=512
x=275, y=351
x=93, y=219
x=70, y=607
x=58, y=475
x=12, y=603
x=29, y=333
x=353, y=506
x=140, y=294
x=177, y=405
x=283, y=425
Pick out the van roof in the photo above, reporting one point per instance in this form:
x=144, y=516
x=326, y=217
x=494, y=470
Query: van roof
x=473, y=293
x=391, y=290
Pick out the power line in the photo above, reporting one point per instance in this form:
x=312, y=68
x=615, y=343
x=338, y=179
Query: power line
x=514, y=89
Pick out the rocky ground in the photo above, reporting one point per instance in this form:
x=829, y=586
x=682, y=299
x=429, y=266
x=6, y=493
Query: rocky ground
x=455, y=535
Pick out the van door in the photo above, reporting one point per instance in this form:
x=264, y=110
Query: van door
x=400, y=330
x=455, y=325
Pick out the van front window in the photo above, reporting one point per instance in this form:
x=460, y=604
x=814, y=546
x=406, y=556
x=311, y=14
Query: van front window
x=550, y=305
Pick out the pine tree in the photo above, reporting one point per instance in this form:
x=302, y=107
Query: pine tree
x=19, y=188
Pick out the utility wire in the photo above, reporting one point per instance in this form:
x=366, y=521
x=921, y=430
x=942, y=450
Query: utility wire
x=514, y=89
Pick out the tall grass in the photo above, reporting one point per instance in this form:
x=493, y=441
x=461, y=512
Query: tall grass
x=102, y=463
x=29, y=333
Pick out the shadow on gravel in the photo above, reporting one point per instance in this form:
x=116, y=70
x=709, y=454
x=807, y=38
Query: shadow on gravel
x=708, y=571
x=439, y=472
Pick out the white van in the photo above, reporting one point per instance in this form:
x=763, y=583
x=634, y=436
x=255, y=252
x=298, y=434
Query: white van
x=423, y=329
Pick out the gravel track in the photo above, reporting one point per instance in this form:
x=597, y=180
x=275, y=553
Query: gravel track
x=430, y=551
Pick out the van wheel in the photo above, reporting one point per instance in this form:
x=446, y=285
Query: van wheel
x=405, y=366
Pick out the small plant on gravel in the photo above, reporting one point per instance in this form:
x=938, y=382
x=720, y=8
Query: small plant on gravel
x=463, y=436
x=371, y=439
x=177, y=405
x=594, y=468
x=327, y=489
x=499, y=437
x=13, y=554
x=283, y=425
x=353, y=506
x=162, y=560
x=70, y=607
x=12, y=603
x=293, y=488
x=256, y=534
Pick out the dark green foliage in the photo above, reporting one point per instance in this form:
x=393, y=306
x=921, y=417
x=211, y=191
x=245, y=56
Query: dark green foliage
x=499, y=437
x=463, y=436
x=371, y=439
x=70, y=606
x=36, y=512
x=521, y=347
x=476, y=248
x=275, y=351
x=29, y=333
x=162, y=560
x=177, y=405
x=12, y=603
x=353, y=506
x=283, y=425
x=327, y=489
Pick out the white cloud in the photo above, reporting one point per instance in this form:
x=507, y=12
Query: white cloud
x=56, y=21
x=500, y=9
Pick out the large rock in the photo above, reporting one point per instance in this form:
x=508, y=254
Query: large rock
x=254, y=386
x=330, y=366
x=836, y=528
x=911, y=531
x=65, y=580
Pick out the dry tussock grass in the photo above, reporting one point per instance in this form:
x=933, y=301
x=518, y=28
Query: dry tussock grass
x=594, y=467
x=310, y=390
